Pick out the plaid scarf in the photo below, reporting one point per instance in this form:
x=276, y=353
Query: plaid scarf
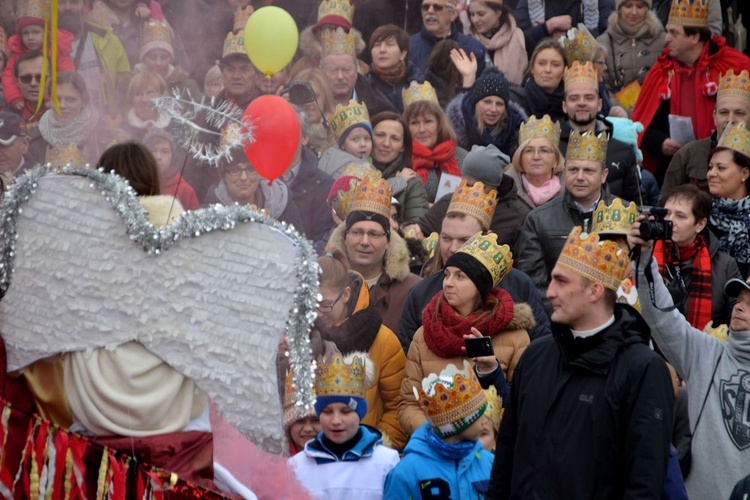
x=699, y=308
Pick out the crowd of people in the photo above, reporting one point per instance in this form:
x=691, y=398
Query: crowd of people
x=565, y=181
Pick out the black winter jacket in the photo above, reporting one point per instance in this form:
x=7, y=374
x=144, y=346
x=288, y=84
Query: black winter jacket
x=587, y=418
x=390, y=92
x=309, y=191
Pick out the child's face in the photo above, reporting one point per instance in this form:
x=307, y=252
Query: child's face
x=162, y=151
x=487, y=435
x=339, y=422
x=32, y=37
x=304, y=430
x=473, y=432
x=158, y=61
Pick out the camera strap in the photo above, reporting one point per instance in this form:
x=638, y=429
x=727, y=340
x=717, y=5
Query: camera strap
x=636, y=256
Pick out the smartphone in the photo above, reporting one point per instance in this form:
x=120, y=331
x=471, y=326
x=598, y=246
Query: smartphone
x=476, y=348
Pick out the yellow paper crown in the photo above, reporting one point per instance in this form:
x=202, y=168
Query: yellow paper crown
x=293, y=411
x=346, y=116
x=337, y=378
x=234, y=44
x=337, y=42
x=536, y=127
x=602, y=262
x=371, y=194
x=473, y=201
x=587, y=146
x=102, y=15
x=31, y=8
x=61, y=156
x=337, y=8
x=736, y=137
x=689, y=13
x=497, y=259
x=613, y=219
x=3, y=39
x=241, y=15
x=578, y=44
x=418, y=92
x=580, y=73
x=451, y=400
x=494, y=407
x=721, y=332
x=731, y=85
x=157, y=34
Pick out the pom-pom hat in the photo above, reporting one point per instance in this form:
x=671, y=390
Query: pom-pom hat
x=155, y=35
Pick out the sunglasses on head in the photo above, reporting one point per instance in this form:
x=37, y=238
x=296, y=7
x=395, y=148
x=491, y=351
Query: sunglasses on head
x=29, y=78
x=435, y=6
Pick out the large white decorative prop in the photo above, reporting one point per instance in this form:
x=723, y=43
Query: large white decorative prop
x=211, y=294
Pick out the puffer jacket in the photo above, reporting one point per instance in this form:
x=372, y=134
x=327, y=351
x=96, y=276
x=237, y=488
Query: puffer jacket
x=629, y=58
x=413, y=198
x=509, y=344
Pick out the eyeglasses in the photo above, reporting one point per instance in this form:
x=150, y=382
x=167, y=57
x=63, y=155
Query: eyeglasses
x=600, y=62
x=435, y=6
x=545, y=151
x=29, y=78
x=358, y=234
x=326, y=308
x=237, y=171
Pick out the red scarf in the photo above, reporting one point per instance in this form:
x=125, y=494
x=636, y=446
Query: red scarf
x=699, y=307
x=441, y=157
x=444, y=335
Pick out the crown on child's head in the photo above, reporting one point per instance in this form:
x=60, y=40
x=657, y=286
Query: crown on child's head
x=602, y=262
x=346, y=116
x=338, y=378
x=475, y=202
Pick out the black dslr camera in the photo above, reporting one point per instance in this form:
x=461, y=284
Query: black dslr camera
x=300, y=93
x=657, y=229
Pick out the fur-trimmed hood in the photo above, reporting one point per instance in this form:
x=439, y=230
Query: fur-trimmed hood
x=311, y=46
x=396, y=257
x=655, y=28
x=162, y=209
x=523, y=317
x=456, y=118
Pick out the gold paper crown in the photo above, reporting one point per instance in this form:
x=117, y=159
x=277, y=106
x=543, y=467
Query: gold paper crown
x=627, y=293
x=451, y=400
x=241, y=15
x=293, y=411
x=497, y=259
x=473, y=201
x=3, y=39
x=731, y=85
x=346, y=116
x=602, y=262
x=31, y=8
x=494, y=407
x=61, y=156
x=418, y=92
x=102, y=15
x=587, y=146
x=578, y=44
x=234, y=45
x=157, y=33
x=736, y=137
x=580, y=73
x=337, y=42
x=371, y=194
x=613, y=219
x=689, y=13
x=337, y=378
x=536, y=127
x=721, y=332
x=337, y=8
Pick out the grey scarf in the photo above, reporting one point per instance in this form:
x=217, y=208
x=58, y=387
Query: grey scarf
x=56, y=133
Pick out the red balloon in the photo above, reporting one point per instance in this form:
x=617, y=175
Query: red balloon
x=276, y=135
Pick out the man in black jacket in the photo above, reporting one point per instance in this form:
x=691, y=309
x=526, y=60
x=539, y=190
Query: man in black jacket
x=591, y=406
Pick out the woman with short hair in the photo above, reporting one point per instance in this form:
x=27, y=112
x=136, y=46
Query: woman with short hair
x=390, y=71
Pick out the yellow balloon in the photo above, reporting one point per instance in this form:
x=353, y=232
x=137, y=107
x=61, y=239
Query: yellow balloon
x=271, y=39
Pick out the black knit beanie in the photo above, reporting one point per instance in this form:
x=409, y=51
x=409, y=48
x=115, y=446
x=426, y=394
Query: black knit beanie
x=491, y=82
x=475, y=270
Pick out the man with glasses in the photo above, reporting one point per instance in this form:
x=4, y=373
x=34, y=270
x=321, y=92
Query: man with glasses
x=28, y=71
x=14, y=146
x=583, y=104
x=373, y=250
x=439, y=23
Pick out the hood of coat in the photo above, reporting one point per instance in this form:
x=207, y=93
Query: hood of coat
x=396, y=257
x=654, y=29
x=523, y=317
x=418, y=444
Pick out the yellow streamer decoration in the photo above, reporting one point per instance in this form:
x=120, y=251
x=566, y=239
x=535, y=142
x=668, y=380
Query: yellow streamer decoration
x=50, y=58
x=101, y=485
x=68, y=473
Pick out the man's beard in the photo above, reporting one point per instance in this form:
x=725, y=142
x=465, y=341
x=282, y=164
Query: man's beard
x=582, y=123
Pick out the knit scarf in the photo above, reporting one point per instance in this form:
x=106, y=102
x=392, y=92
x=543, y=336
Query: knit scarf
x=448, y=451
x=541, y=102
x=732, y=219
x=444, y=335
x=441, y=158
x=391, y=76
x=699, y=308
x=57, y=133
x=542, y=194
x=356, y=333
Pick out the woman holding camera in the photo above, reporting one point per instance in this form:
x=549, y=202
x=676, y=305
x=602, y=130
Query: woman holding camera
x=316, y=100
x=691, y=264
x=469, y=306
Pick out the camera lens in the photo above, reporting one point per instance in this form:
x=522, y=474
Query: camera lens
x=301, y=93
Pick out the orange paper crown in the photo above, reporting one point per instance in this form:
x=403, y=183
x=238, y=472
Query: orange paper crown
x=543, y=127
x=587, y=146
x=451, y=400
x=578, y=44
x=736, y=137
x=241, y=15
x=337, y=378
x=337, y=42
x=371, y=194
x=62, y=156
x=613, y=219
x=689, y=13
x=418, y=92
x=473, y=201
x=580, y=73
x=497, y=259
x=602, y=262
x=293, y=411
x=731, y=85
x=234, y=45
x=346, y=116
x=335, y=8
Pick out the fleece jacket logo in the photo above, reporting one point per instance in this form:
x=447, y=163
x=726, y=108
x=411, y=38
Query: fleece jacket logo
x=735, y=408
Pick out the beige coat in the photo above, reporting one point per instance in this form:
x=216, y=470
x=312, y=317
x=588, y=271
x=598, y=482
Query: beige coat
x=509, y=344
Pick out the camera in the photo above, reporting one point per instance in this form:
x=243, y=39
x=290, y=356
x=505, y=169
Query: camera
x=657, y=229
x=300, y=93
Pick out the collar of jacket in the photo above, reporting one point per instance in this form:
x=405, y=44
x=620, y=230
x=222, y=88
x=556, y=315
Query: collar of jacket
x=432, y=39
x=363, y=449
x=739, y=345
x=571, y=208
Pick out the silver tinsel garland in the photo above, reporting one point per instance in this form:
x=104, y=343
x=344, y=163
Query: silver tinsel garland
x=190, y=224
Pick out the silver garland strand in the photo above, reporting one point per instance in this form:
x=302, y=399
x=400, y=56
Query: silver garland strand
x=190, y=224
